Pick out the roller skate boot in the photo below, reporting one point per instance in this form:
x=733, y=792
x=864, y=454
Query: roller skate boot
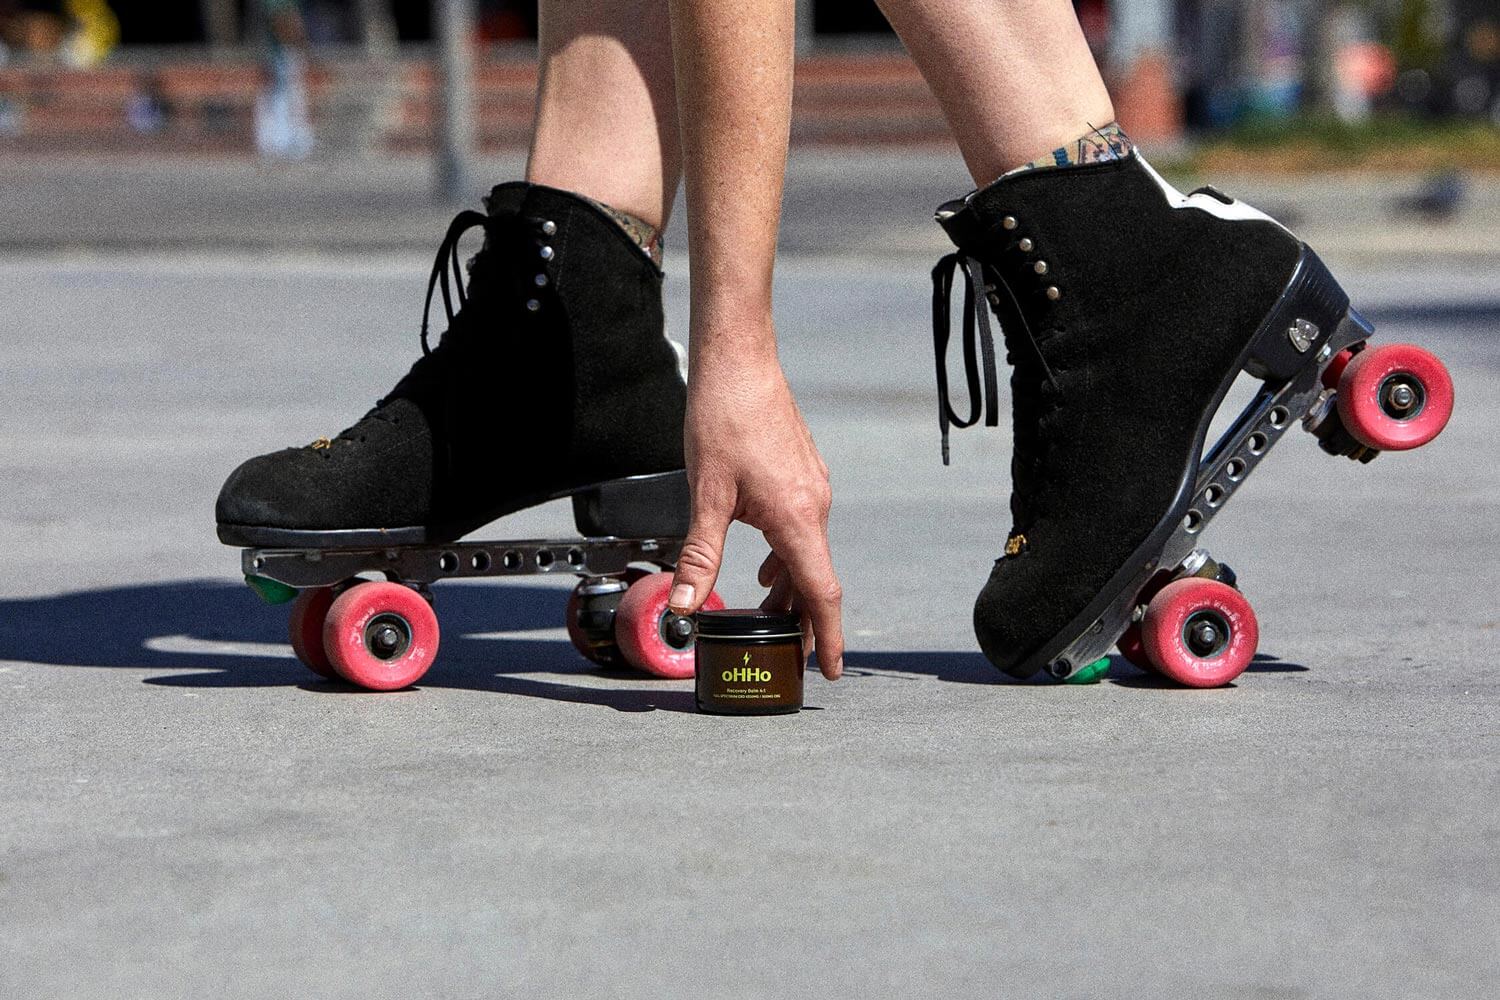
x=553, y=379
x=1128, y=310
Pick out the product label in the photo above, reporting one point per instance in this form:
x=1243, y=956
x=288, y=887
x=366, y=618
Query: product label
x=737, y=677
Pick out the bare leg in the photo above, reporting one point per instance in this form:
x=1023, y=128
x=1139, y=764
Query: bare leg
x=1015, y=77
x=606, y=110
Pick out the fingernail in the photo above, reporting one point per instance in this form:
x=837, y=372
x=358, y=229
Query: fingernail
x=682, y=596
x=838, y=669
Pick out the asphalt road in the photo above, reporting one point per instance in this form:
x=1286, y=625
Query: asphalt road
x=186, y=812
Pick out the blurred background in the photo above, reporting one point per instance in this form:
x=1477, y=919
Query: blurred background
x=298, y=78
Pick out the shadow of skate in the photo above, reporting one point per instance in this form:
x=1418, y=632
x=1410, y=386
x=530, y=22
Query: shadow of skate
x=1127, y=674
x=951, y=666
x=232, y=639
x=219, y=635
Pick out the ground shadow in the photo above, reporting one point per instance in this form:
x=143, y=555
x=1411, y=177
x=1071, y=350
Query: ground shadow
x=973, y=668
x=227, y=638
x=1127, y=674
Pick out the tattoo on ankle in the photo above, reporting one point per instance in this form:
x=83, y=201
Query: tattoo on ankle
x=1098, y=146
x=645, y=235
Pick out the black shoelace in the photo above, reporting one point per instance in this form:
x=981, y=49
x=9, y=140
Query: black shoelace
x=447, y=269
x=447, y=277
x=978, y=345
x=1030, y=383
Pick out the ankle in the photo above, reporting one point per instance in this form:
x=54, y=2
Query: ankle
x=642, y=233
x=1097, y=145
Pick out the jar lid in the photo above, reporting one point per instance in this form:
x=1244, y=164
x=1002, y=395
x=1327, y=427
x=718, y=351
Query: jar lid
x=748, y=623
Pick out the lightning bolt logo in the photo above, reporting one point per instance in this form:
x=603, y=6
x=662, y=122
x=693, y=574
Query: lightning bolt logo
x=747, y=659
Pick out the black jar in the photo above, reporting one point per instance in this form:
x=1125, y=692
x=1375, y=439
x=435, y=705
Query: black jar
x=749, y=662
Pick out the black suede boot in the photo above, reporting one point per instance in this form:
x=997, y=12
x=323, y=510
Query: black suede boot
x=1128, y=309
x=553, y=379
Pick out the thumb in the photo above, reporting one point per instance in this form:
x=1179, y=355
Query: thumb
x=702, y=553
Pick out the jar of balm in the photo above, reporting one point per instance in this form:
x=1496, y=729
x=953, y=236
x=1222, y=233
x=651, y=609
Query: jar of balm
x=749, y=662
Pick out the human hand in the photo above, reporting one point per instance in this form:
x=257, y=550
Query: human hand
x=751, y=458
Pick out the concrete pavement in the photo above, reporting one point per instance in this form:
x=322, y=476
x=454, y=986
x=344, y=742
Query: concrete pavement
x=839, y=202
x=186, y=812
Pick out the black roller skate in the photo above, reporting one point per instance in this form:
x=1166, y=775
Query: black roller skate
x=554, y=379
x=1128, y=309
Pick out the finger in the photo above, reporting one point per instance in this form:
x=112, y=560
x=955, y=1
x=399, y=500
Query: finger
x=818, y=593
x=781, y=596
x=702, y=554
x=769, y=569
x=809, y=638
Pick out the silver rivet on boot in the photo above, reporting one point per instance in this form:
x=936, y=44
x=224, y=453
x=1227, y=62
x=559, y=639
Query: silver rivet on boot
x=549, y=227
x=546, y=253
x=541, y=281
x=1054, y=293
x=532, y=305
x=1025, y=243
x=1040, y=267
x=1009, y=222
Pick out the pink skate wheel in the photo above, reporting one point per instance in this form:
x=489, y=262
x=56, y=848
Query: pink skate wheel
x=605, y=657
x=1132, y=649
x=1336, y=368
x=305, y=629
x=380, y=636
x=648, y=632
x=1199, y=632
x=1395, y=397
x=1130, y=645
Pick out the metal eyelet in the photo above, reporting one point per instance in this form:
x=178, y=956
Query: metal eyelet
x=532, y=305
x=546, y=253
x=1054, y=293
x=1025, y=244
x=549, y=228
x=1009, y=222
x=541, y=281
x=1040, y=267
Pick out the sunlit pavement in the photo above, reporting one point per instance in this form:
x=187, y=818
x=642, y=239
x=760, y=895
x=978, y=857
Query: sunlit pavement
x=188, y=812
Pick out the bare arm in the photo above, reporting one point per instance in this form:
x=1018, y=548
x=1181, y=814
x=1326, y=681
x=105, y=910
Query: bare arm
x=750, y=455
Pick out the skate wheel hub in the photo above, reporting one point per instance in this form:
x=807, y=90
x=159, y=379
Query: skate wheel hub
x=1205, y=634
x=676, y=631
x=387, y=636
x=1401, y=396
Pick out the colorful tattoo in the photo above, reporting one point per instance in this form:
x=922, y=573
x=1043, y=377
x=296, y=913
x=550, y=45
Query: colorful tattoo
x=645, y=235
x=1098, y=146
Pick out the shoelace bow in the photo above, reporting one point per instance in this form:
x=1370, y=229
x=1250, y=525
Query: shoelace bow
x=979, y=363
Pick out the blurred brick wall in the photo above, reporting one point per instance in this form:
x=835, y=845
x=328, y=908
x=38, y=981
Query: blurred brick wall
x=390, y=107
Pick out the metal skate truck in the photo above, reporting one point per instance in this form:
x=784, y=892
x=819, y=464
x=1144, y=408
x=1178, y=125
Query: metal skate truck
x=365, y=613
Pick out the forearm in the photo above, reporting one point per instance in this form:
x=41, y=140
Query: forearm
x=734, y=84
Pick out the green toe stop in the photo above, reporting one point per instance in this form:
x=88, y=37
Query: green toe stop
x=271, y=591
x=1091, y=674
